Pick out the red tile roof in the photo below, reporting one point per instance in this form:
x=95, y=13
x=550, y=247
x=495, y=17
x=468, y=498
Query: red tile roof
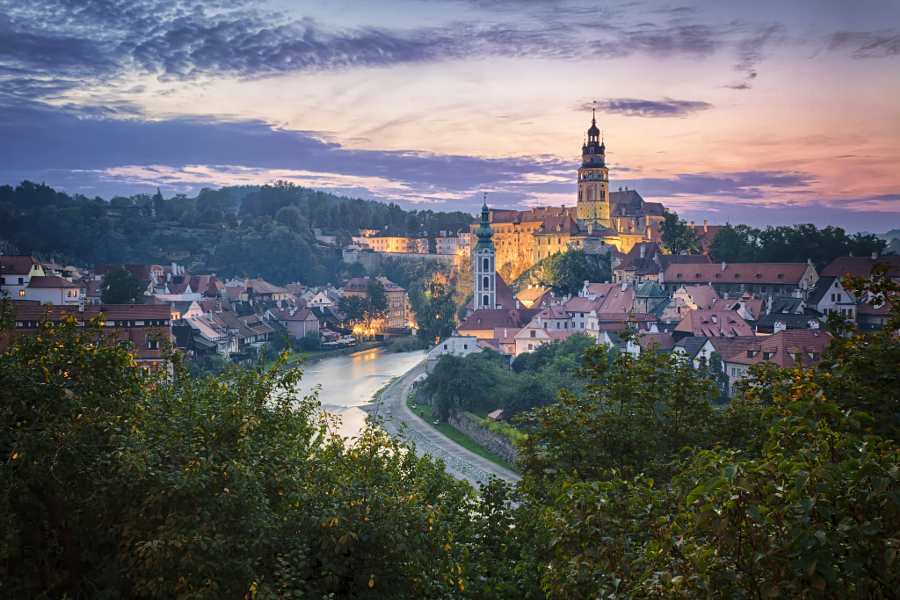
x=859, y=266
x=50, y=282
x=714, y=323
x=755, y=273
x=17, y=264
x=484, y=318
x=786, y=349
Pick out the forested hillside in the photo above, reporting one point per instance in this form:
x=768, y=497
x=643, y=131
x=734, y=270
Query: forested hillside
x=256, y=231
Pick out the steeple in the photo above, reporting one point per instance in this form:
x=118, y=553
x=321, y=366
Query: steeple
x=484, y=258
x=484, y=233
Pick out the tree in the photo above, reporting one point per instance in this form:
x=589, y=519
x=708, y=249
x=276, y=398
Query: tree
x=115, y=482
x=636, y=415
x=438, y=320
x=119, y=286
x=354, y=308
x=677, y=236
x=735, y=244
x=376, y=295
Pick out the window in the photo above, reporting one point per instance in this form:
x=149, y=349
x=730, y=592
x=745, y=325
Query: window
x=486, y=265
x=531, y=346
x=533, y=333
x=465, y=346
x=75, y=294
x=486, y=300
x=21, y=292
x=485, y=283
x=445, y=346
x=69, y=294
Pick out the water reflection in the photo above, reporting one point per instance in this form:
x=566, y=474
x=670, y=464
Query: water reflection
x=349, y=382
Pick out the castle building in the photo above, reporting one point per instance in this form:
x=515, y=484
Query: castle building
x=600, y=220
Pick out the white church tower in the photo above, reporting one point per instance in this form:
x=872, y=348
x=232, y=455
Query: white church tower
x=484, y=257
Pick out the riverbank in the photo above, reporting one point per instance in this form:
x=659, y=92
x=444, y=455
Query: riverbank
x=392, y=413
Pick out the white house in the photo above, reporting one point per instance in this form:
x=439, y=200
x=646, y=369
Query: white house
x=455, y=345
x=52, y=289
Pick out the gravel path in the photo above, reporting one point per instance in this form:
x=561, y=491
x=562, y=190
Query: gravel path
x=401, y=422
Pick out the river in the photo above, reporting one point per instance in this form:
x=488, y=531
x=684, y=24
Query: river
x=349, y=382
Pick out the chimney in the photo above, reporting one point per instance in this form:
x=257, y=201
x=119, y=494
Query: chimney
x=724, y=264
x=705, y=230
x=592, y=297
x=505, y=331
x=643, y=251
x=874, y=256
x=624, y=285
x=692, y=224
x=517, y=303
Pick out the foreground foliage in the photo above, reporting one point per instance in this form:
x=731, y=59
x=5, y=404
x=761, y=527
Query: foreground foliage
x=117, y=484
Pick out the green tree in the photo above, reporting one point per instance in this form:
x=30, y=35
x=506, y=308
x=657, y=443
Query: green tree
x=354, y=308
x=635, y=416
x=735, y=244
x=376, y=295
x=118, y=483
x=119, y=286
x=438, y=320
x=677, y=237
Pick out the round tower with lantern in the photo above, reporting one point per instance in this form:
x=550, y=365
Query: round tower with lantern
x=593, y=181
x=484, y=258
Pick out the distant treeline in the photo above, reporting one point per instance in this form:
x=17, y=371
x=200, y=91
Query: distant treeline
x=797, y=243
x=255, y=231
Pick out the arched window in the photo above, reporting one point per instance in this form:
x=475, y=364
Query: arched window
x=485, y=300
x=486, y=265
x=485, y=283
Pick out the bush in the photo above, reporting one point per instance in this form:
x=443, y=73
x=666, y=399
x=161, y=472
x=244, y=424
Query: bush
x=310, y=342
x=505, y=429
x=405, y=344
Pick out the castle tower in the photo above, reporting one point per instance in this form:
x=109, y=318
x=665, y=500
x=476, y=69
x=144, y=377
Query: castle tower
x=484, y=263
x=593, y=182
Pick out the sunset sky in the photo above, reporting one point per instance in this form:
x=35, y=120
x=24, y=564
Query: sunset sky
x=752, y=112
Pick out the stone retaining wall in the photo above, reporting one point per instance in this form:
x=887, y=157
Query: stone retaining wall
x=484, y=437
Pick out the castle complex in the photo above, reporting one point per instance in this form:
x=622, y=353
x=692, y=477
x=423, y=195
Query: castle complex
x=601, y=219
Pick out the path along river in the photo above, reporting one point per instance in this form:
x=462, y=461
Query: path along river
x=349, y=382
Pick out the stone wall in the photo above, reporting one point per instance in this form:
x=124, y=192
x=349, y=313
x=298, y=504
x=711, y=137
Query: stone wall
x=484, y=437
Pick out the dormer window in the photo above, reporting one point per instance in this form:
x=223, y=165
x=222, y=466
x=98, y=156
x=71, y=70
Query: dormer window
x=759, y=275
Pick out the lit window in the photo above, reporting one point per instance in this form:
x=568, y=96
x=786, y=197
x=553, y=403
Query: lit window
x=21, y=292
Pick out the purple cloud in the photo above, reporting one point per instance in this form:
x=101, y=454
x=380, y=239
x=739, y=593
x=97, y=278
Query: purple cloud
x=634, y=107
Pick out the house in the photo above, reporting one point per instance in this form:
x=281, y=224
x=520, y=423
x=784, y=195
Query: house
x=483, y=322
x=455, y=345
x=829, y=296
x=16, y=272
x=775, y=322
x=789, y=349
x=145, y=329
x=778, y=279
x=535, y=334
x=298, y=321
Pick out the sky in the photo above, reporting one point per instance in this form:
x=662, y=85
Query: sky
x=765, y=112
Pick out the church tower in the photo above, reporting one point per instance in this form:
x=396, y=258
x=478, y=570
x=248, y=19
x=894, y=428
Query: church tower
x=484, y=258
x=593, y=181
